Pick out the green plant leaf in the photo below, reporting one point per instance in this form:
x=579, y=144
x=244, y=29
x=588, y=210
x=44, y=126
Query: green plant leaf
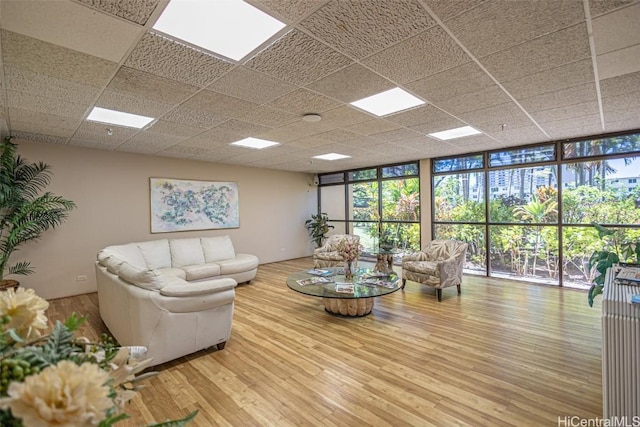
x=176, y=423
x=594, y=291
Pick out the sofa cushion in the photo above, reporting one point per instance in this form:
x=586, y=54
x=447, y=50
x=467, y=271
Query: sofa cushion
x=156, y=253
x=241, y=263
x=173, y=272
x=201, y=271
x=200, y=288
x=143, y=277
x=129, y=252
x=186, y=252
x=217, y=248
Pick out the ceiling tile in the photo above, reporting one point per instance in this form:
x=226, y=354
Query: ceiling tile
x=241, y=128
x=397, y=135
x=212, y=138
x=198, y=118
x=473, y=101
x=155, y=88
x=438, y=122
x=620, y=85
x=173, y=128
x=561, y=129
x=623, y=125
x=290, y=10
x=147, y=137
x=450, y=83
x=72, y=26
x=617, y=106
x=343, y=116
x=250, y=85
x=19, y=136
x=492, y=118
x=338, y=135
x=475, y=142
x=544, y=53
x=270, y=117
x=293, y=131
x=158, y=55
x=29, y=102
x=361, y=28
x=218, y=104
x=40, y=122
x=566, y=112
x=56, y=61
x=181, y=151
x=302, y=101
x=447, y=9
x=548, y=81
x=299, y=59
x=598, y=7
x=427, y=53
x=374, y=126
x=137, y=11
x=617, y=30
x=310, y=141
x=102, y=144
x=519, y=136
x=416, y=116
x=498, y=25
x=561, y=98
x=129, y=103
x=619, y=62
x=351, y=84
x=96, y=132
x=145, y=143
x=23, y=80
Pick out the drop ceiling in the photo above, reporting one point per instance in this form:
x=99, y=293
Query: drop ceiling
x=519, y=71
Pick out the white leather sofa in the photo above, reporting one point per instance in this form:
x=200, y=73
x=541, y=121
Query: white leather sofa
x=173, y=296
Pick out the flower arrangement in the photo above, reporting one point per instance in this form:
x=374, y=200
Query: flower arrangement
x=350, y=251
x=57, y=379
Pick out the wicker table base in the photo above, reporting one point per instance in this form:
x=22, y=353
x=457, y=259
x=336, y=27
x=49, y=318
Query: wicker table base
x=348, y=306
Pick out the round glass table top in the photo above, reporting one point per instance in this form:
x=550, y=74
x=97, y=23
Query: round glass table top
x=365, y=284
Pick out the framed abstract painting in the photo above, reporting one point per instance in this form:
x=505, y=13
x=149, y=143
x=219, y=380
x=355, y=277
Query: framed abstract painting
x=185, y=205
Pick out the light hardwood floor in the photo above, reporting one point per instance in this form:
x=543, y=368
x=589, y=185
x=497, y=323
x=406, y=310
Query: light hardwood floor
x=503, y=353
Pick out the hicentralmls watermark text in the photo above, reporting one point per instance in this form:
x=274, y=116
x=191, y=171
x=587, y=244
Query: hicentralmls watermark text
x=575, y=421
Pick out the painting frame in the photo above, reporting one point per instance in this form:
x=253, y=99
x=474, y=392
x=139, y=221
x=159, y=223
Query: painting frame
x=189, y=205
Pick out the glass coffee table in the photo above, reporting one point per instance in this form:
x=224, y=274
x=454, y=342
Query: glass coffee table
x=353, y=297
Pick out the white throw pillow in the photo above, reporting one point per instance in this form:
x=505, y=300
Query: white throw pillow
x=156, y=253
x=217, y=248
x=186, y=252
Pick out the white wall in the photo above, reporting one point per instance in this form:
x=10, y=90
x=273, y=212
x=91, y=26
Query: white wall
x=111, y=190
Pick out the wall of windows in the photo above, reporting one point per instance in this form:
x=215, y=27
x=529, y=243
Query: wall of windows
x=527, y=213
x=381, y=205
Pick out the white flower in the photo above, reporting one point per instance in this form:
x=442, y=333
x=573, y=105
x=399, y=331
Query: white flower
x=64, y=395
x=26, y=311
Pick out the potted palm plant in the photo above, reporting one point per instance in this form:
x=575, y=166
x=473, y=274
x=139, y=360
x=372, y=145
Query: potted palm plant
x=24, y=213
x=318, y=227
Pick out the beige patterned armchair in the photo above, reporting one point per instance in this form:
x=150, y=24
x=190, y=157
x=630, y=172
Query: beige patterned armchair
x=328, y=255
x=438, y=264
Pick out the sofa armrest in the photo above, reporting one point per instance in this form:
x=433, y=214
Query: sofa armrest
x=187, y=289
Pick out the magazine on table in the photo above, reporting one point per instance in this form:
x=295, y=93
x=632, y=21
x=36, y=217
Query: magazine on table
x=378, y=282
x=320, y=272
x=628, y=276
x=313, y=281
x=344, y=288
x=375, y=274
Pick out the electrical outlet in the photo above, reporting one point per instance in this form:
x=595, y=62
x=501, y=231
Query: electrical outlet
x=81, y=278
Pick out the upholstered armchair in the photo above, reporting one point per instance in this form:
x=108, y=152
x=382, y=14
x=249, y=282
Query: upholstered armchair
x=438, y=264
x=328, y=255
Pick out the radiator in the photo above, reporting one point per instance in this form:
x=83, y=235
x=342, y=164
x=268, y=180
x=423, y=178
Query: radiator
x=620, y=351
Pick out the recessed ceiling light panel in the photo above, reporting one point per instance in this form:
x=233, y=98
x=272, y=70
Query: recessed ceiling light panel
x=331, y=156
x=113, y=117
x=231, y=28
x=388, y=102
x=255, y=143
x=455, y=133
